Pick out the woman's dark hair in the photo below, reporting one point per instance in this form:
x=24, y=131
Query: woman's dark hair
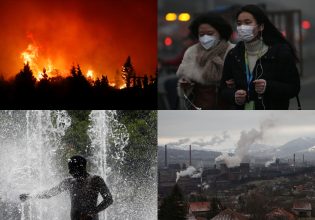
x=216, y=21
x=271, y=35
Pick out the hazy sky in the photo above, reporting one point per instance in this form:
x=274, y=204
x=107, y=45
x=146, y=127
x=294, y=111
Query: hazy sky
x=220, y=130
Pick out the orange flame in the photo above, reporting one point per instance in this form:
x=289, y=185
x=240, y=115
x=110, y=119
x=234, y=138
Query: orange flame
x=30, y=56
x=90, y=74
x=123, y=86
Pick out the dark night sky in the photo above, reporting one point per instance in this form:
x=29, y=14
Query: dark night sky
x=97, y=34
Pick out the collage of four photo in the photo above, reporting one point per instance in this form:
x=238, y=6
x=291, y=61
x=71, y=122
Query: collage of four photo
x=157, y=109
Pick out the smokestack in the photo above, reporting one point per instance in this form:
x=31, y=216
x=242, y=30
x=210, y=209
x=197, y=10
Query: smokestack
x=294, y=162
x=189, y=155
x=223, y=168
x=165, y=155
x=303, y=158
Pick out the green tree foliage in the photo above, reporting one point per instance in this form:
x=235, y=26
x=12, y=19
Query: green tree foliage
x=76, y=139
x=174, y=206
x=257, y=205
x=76, y=135
x=141, y=151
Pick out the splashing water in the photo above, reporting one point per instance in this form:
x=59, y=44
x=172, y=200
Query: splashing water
x=104, y=128
x=28, y=144
x=108, y=141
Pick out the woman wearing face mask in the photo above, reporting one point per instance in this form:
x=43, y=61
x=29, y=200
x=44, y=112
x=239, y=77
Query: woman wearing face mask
x=263, y=65
x=201, y=68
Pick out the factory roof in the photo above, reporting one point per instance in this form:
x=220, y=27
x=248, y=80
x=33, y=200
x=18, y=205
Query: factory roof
x=280, y=213
x=228, y=214
x=302, y=205
x=199, y=206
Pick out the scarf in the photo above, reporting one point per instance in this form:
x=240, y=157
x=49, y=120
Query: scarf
x=212, y=61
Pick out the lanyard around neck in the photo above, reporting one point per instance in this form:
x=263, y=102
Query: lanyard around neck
x=249, y=74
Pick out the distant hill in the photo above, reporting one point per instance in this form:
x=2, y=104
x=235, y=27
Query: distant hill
x=299, y=146
x=303, y=145
x=182, y=156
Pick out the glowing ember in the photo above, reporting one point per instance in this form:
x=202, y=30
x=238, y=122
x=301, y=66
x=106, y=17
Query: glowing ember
x=117, y=86
x=39, y=76
x=122, y=86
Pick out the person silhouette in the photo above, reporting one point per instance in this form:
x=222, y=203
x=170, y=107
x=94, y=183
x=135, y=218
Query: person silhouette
x=84, y=189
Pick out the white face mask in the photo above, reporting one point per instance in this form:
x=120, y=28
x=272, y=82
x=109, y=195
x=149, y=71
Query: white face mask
x=246, y=32
x=208, y=41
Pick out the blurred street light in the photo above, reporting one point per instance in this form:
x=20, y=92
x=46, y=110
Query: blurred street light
x=306, y=24
x=184, y=17
x=181, y=17
x=168, y=41
x=170, y=17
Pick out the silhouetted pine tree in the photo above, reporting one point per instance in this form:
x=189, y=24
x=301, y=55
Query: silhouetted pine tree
x=25, y=84
x=44, y=89
x=145, y=82
x=104, y=81
x=79, y=87
x=73, y=71
x=79, y=72
x=97, y=83
x=128, y=73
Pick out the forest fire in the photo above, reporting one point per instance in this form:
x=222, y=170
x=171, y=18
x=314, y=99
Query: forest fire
x=76, y=53
x=30, y=56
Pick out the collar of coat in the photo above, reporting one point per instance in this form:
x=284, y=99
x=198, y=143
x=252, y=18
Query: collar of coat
x=238, y=52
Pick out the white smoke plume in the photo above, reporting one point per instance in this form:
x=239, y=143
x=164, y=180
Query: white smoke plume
x=268, y=163
x=197, y=175
x=244, y=143
x=190, y=171
x=311, y=149
x=215, y=140
x=180, y=142
x=230, y=161
x=204, y=186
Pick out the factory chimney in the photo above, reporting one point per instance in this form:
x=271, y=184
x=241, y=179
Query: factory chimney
x=165, y=155
x=189, y=155
x=294, y=162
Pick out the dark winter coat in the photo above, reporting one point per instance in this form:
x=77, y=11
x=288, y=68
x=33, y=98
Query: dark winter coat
x=279, y=71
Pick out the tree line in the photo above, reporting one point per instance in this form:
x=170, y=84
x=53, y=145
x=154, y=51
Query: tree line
x=77, y=91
